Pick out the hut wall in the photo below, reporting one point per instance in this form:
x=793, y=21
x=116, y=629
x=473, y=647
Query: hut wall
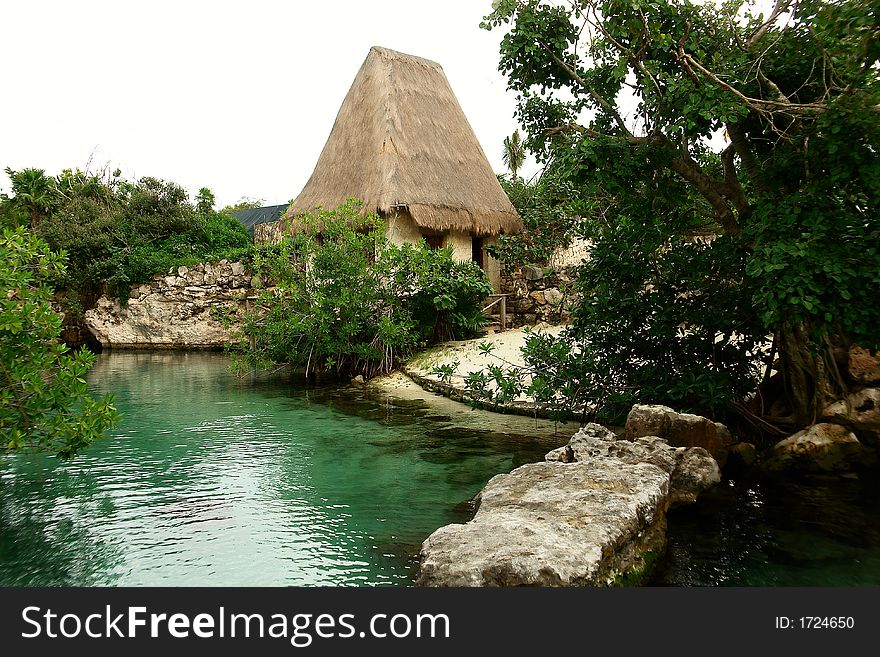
x=462, y=247
x=491, y=265
x=402, y=229
x=269, y=232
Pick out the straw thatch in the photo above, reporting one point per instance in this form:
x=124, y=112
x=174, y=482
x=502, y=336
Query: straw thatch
x=401, y=143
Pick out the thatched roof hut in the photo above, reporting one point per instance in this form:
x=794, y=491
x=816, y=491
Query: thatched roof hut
x=401, y=143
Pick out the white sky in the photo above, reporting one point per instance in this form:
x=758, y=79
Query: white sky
x=235, y=96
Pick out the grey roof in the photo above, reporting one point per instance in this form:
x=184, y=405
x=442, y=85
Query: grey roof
x=252, y=217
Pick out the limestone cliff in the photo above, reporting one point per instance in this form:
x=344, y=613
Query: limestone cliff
x=175, y=311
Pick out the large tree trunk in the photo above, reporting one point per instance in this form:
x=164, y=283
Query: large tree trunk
x=809, y=375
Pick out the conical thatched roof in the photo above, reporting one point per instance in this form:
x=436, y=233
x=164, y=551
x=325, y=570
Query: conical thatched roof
x=402, y=142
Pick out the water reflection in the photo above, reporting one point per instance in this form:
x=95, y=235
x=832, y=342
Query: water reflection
x=812, y=531
x=214, y=480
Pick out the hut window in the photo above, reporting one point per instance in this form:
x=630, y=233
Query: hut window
x=477, y=251
x=434, y=242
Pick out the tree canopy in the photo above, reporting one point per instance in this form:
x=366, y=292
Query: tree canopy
x=117, y=232
x=758, y=132
x=45, y=404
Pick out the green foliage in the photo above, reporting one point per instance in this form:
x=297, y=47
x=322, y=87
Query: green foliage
x=119, y=233
x=659, y=322
x=514, y=153
x=442, y=295
x=793, y=197
x=243, y=203
x=32, y=191
x=205, y=201
x=550, y=209
x=44, y=400
x=345, y=300
x=11, y=216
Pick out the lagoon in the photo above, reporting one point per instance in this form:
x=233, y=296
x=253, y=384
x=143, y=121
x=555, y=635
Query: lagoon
x=216, y=480
x=212, y=479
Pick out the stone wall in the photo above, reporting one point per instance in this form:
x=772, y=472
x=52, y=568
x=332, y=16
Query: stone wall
x=538, y=294
x=174, y=311
x=269, y=232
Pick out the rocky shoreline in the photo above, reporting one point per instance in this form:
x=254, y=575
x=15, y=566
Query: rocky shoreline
x=592, y=514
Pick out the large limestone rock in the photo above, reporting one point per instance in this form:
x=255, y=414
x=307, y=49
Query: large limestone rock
x=154, y=322
x=553, y=296
x=679, y=429
x=172, y=311
x=860, y=411
x=553, y=524
x=593, y=514
x=691, y=470
x=531, y=273
x=820, y=448
x=864, y=367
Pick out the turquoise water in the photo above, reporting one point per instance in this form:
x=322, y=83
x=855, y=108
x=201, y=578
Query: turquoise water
x=213, y=480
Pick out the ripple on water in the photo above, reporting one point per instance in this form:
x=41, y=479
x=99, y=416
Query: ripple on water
x=213, y=481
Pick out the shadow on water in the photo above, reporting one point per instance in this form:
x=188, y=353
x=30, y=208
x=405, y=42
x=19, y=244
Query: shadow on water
x=811, y=531
x=43, y=544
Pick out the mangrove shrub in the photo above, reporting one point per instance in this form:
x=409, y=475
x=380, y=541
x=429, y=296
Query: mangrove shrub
x=45, y=404
x=344, y=299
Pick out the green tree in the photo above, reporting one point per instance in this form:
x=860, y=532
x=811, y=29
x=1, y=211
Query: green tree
x=514, y=153
x=550, y=209
x=347, y=301
x=116, y=232
x=205, y=201
x=627, y=97
x=45, y=404
x=244, y=203
x=33, y=193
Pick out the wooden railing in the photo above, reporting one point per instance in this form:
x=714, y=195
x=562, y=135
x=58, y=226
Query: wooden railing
x=499, y=300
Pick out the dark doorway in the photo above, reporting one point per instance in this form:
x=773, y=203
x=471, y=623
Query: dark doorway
x=477, y=251
x=434, y=242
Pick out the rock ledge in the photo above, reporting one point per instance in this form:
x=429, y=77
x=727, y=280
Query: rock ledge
x=592, y=514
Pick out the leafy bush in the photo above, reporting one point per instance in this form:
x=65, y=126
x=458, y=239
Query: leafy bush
x=345, y=300
x=44, y=400
x=550, y=209
x=119, y=233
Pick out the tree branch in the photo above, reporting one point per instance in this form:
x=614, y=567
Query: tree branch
x=760, y=105
x=714, y=191
x=602, y=102
x=628, y=138
x=771, y=86
x=708, y=187
x=734, y=190
x=779, y=8
x=744, y=150
x=632, y=58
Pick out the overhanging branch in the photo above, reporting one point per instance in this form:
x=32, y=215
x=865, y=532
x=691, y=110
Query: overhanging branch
x=598, y=98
